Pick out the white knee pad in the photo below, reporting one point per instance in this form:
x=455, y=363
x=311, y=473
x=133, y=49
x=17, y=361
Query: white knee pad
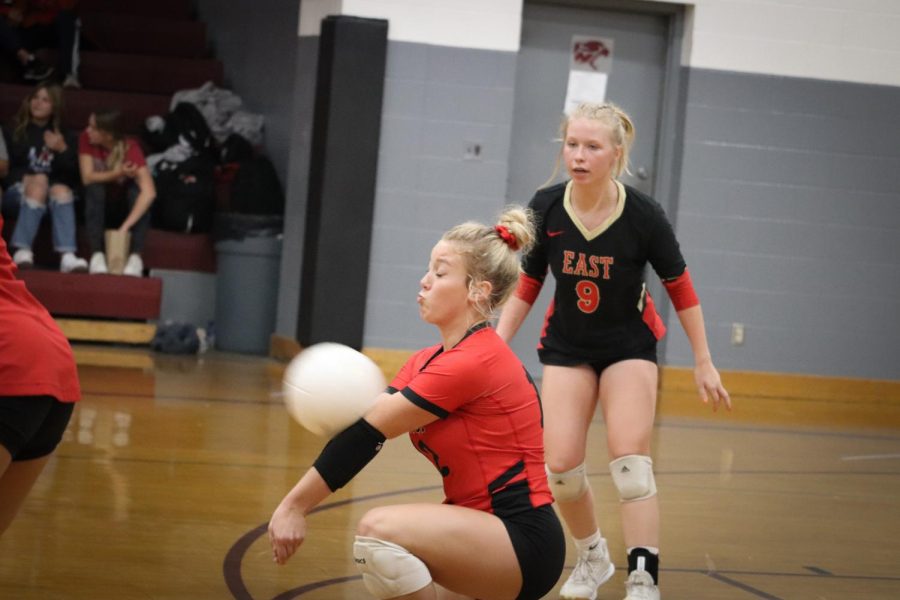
x=633, y=477
x=568, y=485
x=388, y=570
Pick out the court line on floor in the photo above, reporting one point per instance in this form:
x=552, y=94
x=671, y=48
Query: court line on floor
x=154, y=397
x=231, y=566
x=743, y=586
x=870, y=457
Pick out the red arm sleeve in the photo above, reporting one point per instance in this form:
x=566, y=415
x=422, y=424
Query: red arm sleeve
x=528, y=288
x=681, y=291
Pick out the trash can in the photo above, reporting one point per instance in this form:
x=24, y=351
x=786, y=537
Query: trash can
x=248, y=257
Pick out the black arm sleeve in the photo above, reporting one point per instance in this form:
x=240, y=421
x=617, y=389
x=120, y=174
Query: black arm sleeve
x=347, y=453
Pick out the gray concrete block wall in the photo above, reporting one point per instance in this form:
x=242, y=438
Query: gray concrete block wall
x=256, y=41
x=438, y=102
x=789, y=217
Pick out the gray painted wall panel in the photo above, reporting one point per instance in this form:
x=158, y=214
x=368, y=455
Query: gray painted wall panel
x=779, y=95
x=437, y=101
x=794, y=167
x=842, y=135
x=256, y=41
x=832, y=242
x=797, y=276
x=467, y=103
x=404, y=98
x=765, y=200
x=297, y=185
x=447, y=139
x=789, y=218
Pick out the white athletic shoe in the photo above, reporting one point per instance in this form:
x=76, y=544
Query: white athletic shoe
x=592, y=570
x=640, y=586
x=98, y=263
x=134, y=267
x=72, y=264
x=24, y=258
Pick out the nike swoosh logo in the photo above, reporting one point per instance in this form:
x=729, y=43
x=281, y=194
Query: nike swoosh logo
x=554, y=233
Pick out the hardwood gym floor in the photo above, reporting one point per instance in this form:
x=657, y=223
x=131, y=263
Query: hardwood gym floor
x=171, y=467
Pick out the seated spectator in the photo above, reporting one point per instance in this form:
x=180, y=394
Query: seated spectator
x=43, y=165
x=108, y=159
x=26, y=25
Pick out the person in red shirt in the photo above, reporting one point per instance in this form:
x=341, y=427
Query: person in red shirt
x=108, y=159
x=598, y=344
x=470, y=408
x=38, y=388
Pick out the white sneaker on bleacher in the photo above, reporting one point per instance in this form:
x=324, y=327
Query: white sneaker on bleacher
x=134, y=267
x=640, y=586
x=592, y=570
x=24, y=258
x=98, y=263
x=69, y=263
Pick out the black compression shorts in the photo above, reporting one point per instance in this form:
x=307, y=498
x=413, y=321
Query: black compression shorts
x=561, y=359
x=540, y=546
x=32, y=426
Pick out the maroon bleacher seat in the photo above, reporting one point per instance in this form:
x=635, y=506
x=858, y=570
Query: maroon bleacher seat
x=135, y=34
x=145, y=73
x=170, y=9
x=83, y=295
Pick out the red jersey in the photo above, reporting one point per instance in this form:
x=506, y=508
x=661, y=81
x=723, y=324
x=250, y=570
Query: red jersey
x=488, y=442
x=133, y=152
x=35, y=357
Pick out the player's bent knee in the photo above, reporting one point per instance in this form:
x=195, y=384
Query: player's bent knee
x=388, y=570
x=570, y=485
x=633, y=477
x=376, y=523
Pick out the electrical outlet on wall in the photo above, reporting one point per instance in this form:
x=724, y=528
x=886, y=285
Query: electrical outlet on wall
x=737, y=334
x=473, y=150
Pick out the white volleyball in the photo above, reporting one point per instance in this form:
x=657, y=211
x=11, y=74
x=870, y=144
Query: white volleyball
x=328, y=386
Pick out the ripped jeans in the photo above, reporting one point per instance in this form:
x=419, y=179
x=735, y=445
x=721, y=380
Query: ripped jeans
x=62, y=219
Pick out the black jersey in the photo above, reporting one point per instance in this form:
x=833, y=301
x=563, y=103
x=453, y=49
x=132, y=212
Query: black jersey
x=601, y=306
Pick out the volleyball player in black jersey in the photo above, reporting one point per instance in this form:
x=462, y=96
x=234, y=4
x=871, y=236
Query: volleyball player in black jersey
x=599, y=341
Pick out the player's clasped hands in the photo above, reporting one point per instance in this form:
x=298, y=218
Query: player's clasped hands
x=287, y=530
x=709, y=384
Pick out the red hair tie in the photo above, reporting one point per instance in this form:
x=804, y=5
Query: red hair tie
x=507, y=237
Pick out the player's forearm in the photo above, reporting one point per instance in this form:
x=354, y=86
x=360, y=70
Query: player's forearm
x=308, y=493
x=692, y=322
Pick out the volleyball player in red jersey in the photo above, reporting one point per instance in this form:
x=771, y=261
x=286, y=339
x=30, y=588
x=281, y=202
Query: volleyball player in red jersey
x=38, y=388
x=470, y=408
x=599, y=340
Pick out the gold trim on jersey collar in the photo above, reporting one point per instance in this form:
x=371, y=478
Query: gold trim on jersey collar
x=590, y=234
